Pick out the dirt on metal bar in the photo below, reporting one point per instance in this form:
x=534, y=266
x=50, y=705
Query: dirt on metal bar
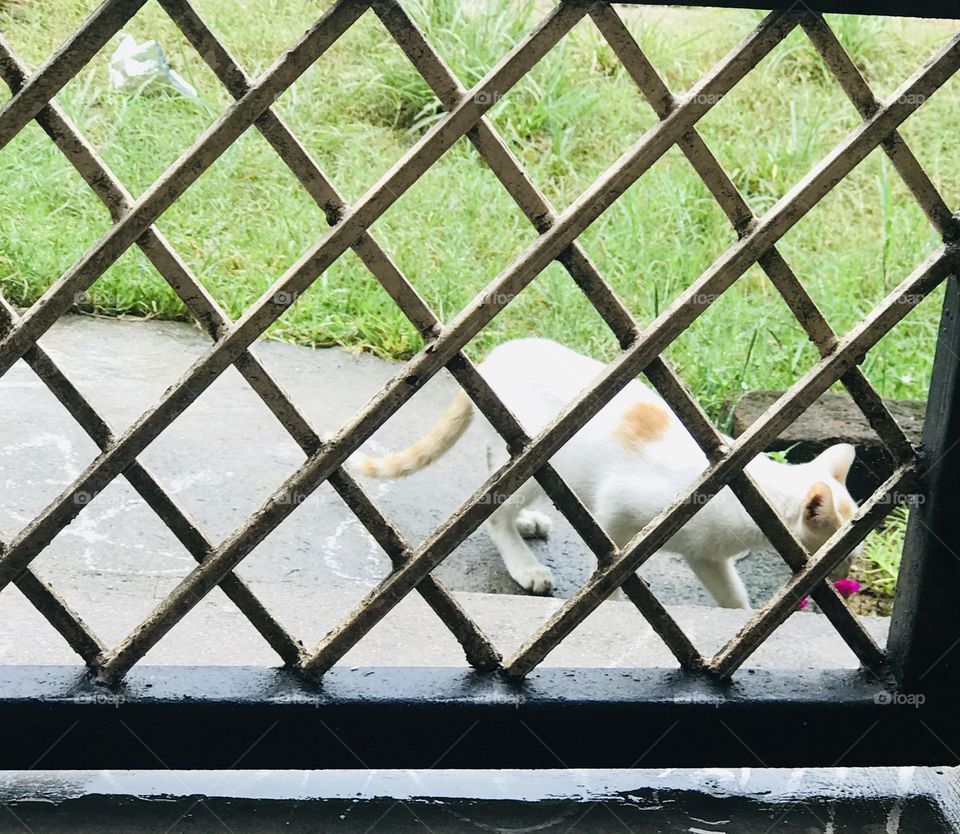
x=854, y=85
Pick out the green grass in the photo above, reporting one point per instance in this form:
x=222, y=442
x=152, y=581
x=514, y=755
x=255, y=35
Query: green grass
x=883, y=549
x=362, y=106
x=879, y=566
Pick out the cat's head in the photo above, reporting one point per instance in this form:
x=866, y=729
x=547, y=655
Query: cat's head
x=826, y=505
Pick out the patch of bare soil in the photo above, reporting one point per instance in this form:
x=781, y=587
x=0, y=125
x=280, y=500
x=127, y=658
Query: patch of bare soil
x=869, y=601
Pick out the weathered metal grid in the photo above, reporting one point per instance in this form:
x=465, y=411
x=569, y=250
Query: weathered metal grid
x=558, y=232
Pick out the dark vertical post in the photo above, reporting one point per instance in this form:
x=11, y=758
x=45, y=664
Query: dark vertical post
x=924, y=642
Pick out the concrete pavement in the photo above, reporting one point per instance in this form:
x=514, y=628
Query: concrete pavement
x=223, y=457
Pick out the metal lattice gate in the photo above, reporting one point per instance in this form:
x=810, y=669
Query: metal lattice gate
x=394, y=717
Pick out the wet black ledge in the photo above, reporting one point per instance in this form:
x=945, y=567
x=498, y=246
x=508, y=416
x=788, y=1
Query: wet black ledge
x=242, y=717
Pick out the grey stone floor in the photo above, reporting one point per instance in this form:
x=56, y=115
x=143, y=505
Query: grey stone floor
x=223, y=457
x=227, y=452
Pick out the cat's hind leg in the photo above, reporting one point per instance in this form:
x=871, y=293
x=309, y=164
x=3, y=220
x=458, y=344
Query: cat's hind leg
x=533, y=524
x=721, y=579
x=521, y=564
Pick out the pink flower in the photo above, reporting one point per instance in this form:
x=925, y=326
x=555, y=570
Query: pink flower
x=847, y=587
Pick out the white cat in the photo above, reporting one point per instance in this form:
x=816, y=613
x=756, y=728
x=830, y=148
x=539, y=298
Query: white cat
x=626, y=465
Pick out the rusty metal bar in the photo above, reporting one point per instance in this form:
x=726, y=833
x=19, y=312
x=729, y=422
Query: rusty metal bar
x=173, y=516
x=541, y=214
x=727, y=73
x=845, y=71
x=538, y=210
x=447, y=89
x=201, y=38
x=659, y=334
x=811, y=385
x=764, y=514
x=742, y=218
x=220, y=135
x=56, y=611
x=41, y=595
x=175, y=181
x=367, y=249
x=479, y=650
x=510, y=69
x=64, y=64
x=60, y=615
x=805, y=311
x=208, y=367
x=301, y=165
x=505, y=166
x=655, y=338
x=557, y=240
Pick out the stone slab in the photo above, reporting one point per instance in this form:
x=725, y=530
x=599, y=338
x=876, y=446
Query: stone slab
x=835, y=418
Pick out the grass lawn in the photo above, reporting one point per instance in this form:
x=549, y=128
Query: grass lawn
x=362, y=106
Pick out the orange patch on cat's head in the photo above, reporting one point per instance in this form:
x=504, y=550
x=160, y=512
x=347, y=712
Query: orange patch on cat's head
x=642, y=423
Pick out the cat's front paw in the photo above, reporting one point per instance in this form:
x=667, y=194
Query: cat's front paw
x=532, y=524
x=536, y=580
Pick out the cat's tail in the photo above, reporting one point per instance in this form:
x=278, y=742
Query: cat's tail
x=425, y=451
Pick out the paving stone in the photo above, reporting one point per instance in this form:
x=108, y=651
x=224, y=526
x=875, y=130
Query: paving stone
x=834, y=418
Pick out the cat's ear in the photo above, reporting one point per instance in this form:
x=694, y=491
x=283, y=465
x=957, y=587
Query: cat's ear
x=818, y=509
x=837, y=460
